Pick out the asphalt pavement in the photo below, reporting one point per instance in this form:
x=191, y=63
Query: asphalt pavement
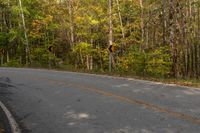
x=45, y=101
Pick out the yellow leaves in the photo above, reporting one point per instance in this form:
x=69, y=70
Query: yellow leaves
x=48, y=19
x=78, y=19
x=87, y=20
x=124, y=63
x=93, y=21
x=36, y=34
x=38, y=25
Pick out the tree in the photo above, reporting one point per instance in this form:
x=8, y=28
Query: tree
x=25, y=33
x=143, y=33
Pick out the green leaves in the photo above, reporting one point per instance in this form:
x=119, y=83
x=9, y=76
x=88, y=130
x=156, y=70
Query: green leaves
x=3, y=39
x=143, y=32
x=159, y=62
x=84, y=49
x=13, y=34
x=133, y=62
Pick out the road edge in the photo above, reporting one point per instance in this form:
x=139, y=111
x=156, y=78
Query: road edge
x=120, y=78
x=12, y=122
x=109, y=76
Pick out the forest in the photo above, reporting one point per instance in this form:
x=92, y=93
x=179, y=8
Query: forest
x=156, y=38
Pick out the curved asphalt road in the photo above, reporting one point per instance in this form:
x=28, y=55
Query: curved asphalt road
x=45, y=101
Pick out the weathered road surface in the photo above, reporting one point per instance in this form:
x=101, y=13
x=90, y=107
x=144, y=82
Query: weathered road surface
x=62, y=102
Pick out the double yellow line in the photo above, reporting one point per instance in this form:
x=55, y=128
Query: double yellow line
x=138, y=102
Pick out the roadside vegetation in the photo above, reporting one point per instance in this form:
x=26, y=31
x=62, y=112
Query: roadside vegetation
x=152, y=39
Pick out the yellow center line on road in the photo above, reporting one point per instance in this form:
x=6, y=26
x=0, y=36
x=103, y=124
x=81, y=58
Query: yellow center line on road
x=147, y=105
x=144, y=104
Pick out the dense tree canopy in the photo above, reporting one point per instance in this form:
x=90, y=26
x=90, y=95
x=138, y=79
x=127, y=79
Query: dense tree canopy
x=150, y=37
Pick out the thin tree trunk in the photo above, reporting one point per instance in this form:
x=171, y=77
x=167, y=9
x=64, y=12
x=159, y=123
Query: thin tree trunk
x=184, y=41
x=28, y=58
x=147, y=32
x=110, y=35
x=164, y=21
x=186, y=63
x=142, y=22
x=91, y=63
x=87, y=62
x=198, y=61
x=9, y=15
x=193, y=61
x=2, y=58
x=198, y=46
x=71, y=22
x=121, y=26
x=81, y=58
x=172, y=37
x=8, y=57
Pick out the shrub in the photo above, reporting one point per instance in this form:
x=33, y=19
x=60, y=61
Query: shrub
x=159, y=62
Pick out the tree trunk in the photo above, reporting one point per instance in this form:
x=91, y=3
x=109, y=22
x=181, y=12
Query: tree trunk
x=8, y=57
x=70, y=8
x=186, y=63
x=122, y=28
x=198, y=61
x=91, y=63
x=164, y=21
x=147, y=32
x=198, y=46
x=110, y=35
x=172, y=37
x=2, y=58
x=28, y=58
x=142, y=22
x=87, y=62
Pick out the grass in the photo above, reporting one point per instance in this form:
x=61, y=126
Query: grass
x=178, y=81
